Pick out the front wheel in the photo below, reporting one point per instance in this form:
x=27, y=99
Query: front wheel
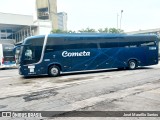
x=132, y=64
x=54, y=71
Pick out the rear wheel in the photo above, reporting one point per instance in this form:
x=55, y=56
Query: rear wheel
x=54, y=71
x=132, y=64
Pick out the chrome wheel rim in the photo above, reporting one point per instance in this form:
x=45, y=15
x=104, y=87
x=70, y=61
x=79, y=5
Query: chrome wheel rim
x=132, y=65
x=54, y=71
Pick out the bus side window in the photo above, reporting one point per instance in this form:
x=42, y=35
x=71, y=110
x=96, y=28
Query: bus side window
x=148, y=43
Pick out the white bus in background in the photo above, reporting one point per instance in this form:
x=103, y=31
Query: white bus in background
x=7, y=57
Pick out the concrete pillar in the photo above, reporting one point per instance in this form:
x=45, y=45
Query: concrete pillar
x=53, y=13
x=48, y=6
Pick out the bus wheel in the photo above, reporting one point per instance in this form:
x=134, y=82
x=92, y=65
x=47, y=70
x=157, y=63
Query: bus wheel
x=54, y=71
x=132, y=64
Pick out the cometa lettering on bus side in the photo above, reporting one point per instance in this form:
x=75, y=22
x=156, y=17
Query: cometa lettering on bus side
x=75, y=54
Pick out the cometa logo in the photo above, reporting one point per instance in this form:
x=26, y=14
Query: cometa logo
x=75, y=54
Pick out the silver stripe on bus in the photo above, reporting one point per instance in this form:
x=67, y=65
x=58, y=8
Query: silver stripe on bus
x=43, y=50
x=44, y=46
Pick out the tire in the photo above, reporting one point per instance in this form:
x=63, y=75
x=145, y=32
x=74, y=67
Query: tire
x=132, y=64
x=54, y=71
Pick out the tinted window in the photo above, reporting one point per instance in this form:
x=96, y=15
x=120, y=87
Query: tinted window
x=56, y=44
x=8, y=53
x=60, y=43
x=109, y=42
x=8, y=50
x=148, y=43
x=136, y=42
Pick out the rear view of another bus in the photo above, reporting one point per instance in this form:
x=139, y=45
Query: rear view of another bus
x=7, y=57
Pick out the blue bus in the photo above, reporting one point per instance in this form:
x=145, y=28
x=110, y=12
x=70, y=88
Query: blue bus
x=54, y=54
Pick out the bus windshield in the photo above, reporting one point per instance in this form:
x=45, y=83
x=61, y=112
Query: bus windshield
x=31, y=51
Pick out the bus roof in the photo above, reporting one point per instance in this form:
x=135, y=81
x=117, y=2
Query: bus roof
x=72, y=35
x=99, y=35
